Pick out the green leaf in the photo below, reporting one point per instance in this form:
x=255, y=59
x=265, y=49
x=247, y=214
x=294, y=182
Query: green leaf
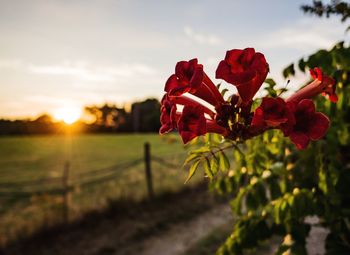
x=215, y=139
x=284, y=210
x=276, y=212
x=223, y=92
x=282, y=249
x=192, y=170
x=214, y=165
x=190, y=158
x=271, y=82
x=201, y=150
x=223, y=161
x=281, y=91
x=236, y=203
x=302, y=65
x=271, y=92
x=207, y=168
x=289, y=70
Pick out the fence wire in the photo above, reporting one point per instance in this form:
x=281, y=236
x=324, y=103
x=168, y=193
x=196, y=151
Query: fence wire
x=23, y=189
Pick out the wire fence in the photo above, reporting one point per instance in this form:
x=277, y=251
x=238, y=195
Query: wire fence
x=64, y=185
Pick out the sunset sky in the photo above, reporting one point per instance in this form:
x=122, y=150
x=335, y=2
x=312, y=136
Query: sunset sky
x=58, y=54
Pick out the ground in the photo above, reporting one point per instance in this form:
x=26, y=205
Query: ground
x=190, y=222
x=131, y=228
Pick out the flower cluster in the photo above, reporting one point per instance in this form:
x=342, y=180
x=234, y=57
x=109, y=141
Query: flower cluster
x=194, y=105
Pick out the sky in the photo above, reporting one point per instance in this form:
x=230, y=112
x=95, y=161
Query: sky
x=58, y=54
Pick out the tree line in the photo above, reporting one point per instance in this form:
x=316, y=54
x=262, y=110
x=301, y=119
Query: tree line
x=142, y=117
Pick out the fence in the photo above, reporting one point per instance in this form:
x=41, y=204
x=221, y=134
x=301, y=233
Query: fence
x=64, y=185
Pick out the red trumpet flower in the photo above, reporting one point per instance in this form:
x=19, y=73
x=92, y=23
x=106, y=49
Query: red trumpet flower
x=190, y=78
x=168, y=116
x=192, y=123
x=233, y=119
x=271, y=113
x=321, y=84
x=246, y=69
x=309, y=124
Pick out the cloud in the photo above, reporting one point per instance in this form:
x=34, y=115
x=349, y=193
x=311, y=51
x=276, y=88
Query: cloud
x=202, y=38
x=10, y=63
x=306, y=34
x=80, y=72
x=85, y=72
x=48, y=100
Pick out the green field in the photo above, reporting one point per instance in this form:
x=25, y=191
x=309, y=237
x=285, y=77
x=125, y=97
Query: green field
x=32, y=158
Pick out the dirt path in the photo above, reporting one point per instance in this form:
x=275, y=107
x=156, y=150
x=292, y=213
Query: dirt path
x=168, y=226
x=181, y=237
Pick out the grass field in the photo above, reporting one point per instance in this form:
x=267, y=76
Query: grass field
x=30, y=158
x=34, y=157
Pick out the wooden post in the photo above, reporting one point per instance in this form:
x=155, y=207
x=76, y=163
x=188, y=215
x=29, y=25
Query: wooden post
x=65, y=192
x=147, y=149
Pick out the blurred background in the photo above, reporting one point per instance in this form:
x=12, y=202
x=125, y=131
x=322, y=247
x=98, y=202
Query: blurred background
x=80, y=84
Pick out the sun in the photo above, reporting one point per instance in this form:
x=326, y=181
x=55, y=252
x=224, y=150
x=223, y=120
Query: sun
x=68, y=115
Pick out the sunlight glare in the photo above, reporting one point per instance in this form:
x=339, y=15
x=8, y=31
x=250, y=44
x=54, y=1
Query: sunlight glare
x=68, y=115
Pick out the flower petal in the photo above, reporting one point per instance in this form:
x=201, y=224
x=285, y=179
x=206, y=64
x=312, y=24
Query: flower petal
x=258, y=118
x=192, y=123
x=223, y=70
x=316, y=73
x=171, y=83
x=245, y=69
x=333, y=98
x=319, y=127
x=300, y=140
x=165, y=129
x=306, y=106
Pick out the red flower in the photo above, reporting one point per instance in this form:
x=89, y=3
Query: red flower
x=246, y=69
x=309, y=124
x=168, y=115
x=192, y=123
x=189, y=77
x=271, y=113
x=184, y=100
x=321, y=84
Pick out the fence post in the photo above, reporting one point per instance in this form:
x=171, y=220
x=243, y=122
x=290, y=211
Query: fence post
x=147, y=149
x=65, y=192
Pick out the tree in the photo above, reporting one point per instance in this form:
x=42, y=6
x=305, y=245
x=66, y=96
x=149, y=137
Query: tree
x=108, y=117
x=335, y=7
x=145, y=115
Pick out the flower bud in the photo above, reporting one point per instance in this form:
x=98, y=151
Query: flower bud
x=266, y=174
x=296, y=191
x=253, y=180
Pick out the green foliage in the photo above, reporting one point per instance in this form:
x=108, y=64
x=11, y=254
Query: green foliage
x=336, y=7
x=274, y=187
x=211, y=156
x=289, y=71
x=270, y=88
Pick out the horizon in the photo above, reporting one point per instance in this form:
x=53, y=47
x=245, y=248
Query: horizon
x=66, y=55
x=79, y=112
